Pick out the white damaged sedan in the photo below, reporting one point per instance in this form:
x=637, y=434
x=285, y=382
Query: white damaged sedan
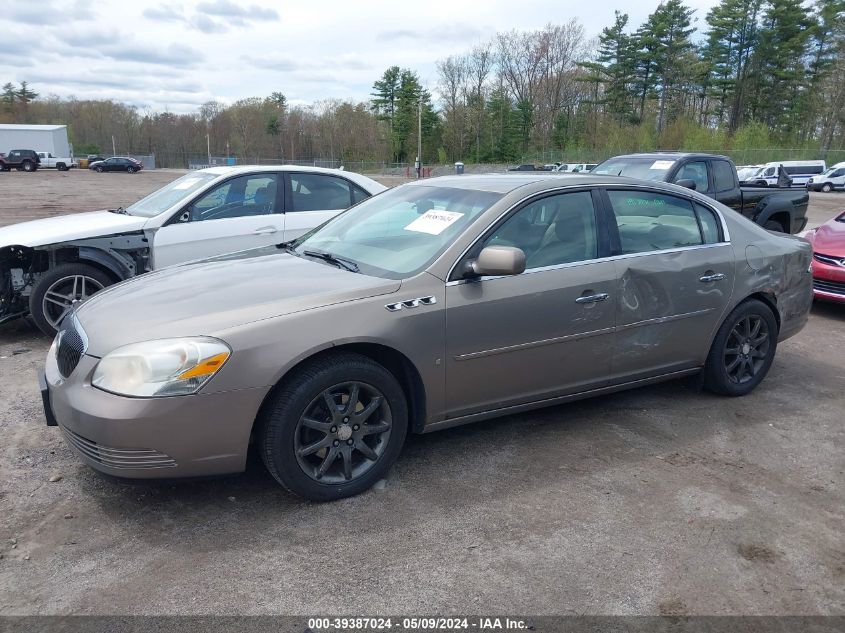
x=46, y=266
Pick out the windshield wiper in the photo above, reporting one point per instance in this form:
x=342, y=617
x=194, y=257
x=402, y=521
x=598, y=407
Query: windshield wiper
x=331, y=259
x=119, y=210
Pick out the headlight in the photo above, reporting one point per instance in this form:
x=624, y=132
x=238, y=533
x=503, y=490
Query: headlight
x=168, y=367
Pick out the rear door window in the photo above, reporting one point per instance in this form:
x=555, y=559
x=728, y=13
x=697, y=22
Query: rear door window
x=318, y=192
x=723, y=175
x=650, y=221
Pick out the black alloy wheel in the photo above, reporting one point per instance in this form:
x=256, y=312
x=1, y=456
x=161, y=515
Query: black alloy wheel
x=343, y=432
x=743, y=349
x=746, y=349
x=333, y=427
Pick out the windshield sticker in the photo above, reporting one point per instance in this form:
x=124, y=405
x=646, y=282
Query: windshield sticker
x=662, y=164
x=187, y=184
x=434, y=221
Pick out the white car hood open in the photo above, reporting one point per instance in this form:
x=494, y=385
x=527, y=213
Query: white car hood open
x=67, y=228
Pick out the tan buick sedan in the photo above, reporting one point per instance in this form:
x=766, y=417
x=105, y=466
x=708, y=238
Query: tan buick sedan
x=434, y=304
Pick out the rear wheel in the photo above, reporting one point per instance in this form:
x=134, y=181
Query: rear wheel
x=743, y=350
x=827, y=187
x=28, y=165
x=334, y=428
x=61, y=167
x=59, y=289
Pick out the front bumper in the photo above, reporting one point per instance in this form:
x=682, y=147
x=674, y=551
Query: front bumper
x=828, y=281
x=148, y=438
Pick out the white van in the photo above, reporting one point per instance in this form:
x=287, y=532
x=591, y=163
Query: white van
x=800, y=171
x=833, y=178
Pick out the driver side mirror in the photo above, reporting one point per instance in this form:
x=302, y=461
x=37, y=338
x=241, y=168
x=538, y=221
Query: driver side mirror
x=688, y=183
x=496, y=261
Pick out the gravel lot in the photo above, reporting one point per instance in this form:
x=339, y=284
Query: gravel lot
x=662, y=500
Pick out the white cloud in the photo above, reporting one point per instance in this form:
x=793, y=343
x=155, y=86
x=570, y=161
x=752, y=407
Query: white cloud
x=178, y=55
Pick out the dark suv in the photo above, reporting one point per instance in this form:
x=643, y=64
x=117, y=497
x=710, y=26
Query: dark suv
x=20, y=159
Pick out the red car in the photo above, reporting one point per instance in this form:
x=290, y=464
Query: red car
x=828, y=242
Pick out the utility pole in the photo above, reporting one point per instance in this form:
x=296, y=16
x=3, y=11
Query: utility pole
x=419, y=138
x=208, y=147
x=113, y=150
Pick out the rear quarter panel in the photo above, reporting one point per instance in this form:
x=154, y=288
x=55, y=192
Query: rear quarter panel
x=776, y=265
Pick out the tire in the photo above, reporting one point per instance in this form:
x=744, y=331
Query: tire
x=98, y=169
x=752, y=362
x=28, y=165
x=827, y=187
x=774, y=225
x=286, y=437
x=130, y=170
x=61, y=167
x=45, y=311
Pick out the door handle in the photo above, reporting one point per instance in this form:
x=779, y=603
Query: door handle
x=602, y=296
x=713, y=277
x=266, y=230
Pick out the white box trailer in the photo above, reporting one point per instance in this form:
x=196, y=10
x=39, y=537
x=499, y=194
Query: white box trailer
x=41, y=138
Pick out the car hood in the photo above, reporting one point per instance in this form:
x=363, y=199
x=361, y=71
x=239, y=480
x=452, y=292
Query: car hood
x=65, y=228
x=829, y=239
x=204, y=298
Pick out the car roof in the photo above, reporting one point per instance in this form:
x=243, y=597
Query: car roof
x=505, y=183
x=360, y=179
x=667, y=155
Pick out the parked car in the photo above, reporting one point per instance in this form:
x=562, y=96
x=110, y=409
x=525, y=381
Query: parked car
x=48, y=161
x=524, y=167
x=432, y=305
x=583, y=167
x=799, y=172
x=20, y=159
x=47, y=265
x=92, y=158
x=833, y=178
x=117, y=163
x=828, y=243
x=716, y=177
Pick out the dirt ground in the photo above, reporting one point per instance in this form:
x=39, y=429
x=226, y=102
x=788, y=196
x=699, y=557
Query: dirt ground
x=662, y=500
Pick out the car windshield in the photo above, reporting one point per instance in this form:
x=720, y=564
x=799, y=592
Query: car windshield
x=397, y=233
x=161, y=200
x=644, y=168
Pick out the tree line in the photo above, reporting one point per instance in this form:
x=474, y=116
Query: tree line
x=759, y=74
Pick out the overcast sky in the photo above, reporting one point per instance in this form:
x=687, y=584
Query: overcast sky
x=174, y=56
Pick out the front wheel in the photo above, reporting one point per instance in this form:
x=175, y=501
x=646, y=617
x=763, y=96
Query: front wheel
x=130, y=170
x=60, y=289
x=773, y=225
x=827, y=187
x=98, y=169
x=335, y=428
x=743, y=350
x=28, y=165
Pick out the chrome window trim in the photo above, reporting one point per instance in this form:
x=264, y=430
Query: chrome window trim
x=586, y=262
x=726, y=238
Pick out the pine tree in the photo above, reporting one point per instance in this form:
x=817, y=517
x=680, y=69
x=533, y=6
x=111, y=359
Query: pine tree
x=779, y=64
x=616, y=55
x=731, y=38
x=385, y=95
x=9, y=97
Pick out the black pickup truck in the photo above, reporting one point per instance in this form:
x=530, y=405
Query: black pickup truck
x=715, y=176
